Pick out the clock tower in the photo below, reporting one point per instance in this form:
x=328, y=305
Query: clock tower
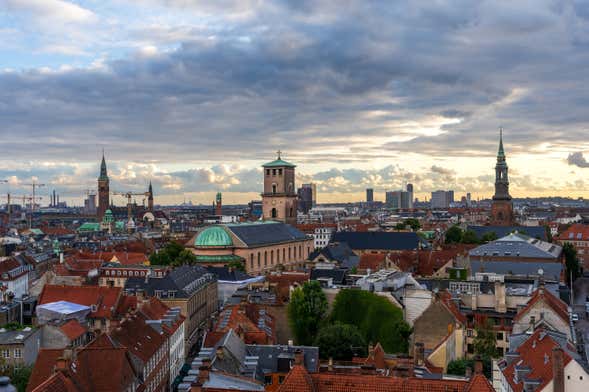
x=279, y=199
x=502, y=206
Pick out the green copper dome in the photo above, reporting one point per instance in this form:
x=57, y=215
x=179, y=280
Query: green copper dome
x=213, y=236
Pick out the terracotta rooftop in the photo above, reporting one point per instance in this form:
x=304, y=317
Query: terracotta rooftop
x=105, y=299
x=299, y=380
x=541, y=294
x=73, y=329
x=536, y=354
x=372, y=261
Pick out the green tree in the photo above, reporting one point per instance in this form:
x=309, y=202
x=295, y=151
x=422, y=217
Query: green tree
x=469, y=237
x=19, y=376
x=173, y=254
x=306, y=311
x=237, y=265
x=458, y=367
x=548, y=233
x=375, y=316
x=400, y=226
x=489, y=236
x=484, y=342
x=571, y=261
x=454, y=235
x=340, y=341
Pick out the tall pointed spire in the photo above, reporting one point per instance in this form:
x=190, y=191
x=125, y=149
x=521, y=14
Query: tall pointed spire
x=150, y=188
x=103, y=172
x=501, y=153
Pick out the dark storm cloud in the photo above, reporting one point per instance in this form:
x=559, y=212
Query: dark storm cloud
x=577, y=159
x=309, y=75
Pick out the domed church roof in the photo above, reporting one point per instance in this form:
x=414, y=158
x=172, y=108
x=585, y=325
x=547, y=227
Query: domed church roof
x=213, y=236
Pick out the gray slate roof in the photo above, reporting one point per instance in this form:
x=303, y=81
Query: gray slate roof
x=502, y=231
x=518, y=245
x=379, y=240
x=268, y=356
x=259, y=234
x=552, y=271
x=184, y=280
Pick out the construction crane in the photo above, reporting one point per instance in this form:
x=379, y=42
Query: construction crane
x=32, y=200
x=129, y=195
x=34, y=185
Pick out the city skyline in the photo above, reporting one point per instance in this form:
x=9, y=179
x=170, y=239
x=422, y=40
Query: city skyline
x=196, y=98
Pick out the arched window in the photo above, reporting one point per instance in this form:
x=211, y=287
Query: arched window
x=273, y=187
x=283, y=255
x=289, y=255
x=265, y=258
x=259, y=264
x=291, y=212
x=271, y=257
x=278, y=256
x=251, y=261
x=274, y=214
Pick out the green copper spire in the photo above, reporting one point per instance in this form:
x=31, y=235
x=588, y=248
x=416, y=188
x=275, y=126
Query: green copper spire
x=501, y=153
x=103, y=173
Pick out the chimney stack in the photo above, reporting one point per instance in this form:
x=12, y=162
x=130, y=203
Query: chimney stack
x=478, y=366
x=419, y=354
x=299, y=357
x=558, y=369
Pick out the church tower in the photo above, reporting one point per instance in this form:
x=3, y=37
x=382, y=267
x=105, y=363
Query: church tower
x=219, y=204
x=150, y=198
x=279, y=200
x=103, y=190
x=502, y=206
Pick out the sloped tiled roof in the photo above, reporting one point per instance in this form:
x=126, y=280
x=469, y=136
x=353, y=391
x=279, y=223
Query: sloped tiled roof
x=73, y=329
x=559, y=307
x=518, y=245
x=104, y=298
x=379, y=240
x=43, y=368
x=535, y=354
x=299, y=380
x=371, y=261
x=259, y=234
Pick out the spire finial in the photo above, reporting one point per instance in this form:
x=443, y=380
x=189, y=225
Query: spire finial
x=279, y=153
x=501, y=152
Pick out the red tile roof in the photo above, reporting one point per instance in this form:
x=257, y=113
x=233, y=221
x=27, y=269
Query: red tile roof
x=140, y=339
x=299, y=380
x=576, y=232
x=541, y=294
x=58, y=382
x=105, y=299
x=43, y=367
x=372, y=261
x=73, y=329
x=446, y=300
x=243, y=319
x=535, y=353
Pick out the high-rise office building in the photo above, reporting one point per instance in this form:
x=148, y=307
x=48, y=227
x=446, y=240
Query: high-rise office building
x=305, y=194
x=398, y=200
x=442, y=199
x=410, y=197
x=369, y=195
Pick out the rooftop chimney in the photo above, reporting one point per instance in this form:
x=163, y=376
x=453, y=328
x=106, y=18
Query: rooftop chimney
x=558, y=369
x=419, y=354
x=299, y=357
x=478, y=366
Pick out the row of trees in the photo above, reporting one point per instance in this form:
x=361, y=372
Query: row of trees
x=357, y=319
x=455, y=235
x=174, y=254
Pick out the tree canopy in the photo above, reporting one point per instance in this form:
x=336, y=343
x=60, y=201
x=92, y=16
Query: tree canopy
x=172, y=254
x=377, y=319
x=484, y=342
x=340, y=341
x=306, y=311
x=571, y=261
x=453, y=235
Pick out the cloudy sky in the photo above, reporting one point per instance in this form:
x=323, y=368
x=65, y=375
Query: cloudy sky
x=195, y=95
